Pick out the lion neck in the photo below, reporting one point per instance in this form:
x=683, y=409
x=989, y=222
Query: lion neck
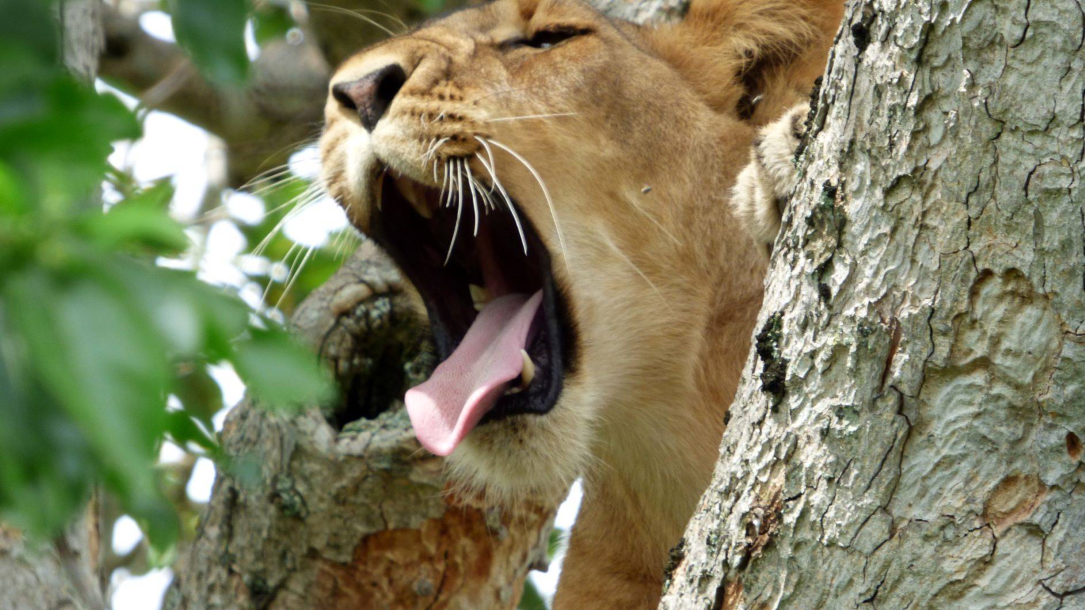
x=690, y=262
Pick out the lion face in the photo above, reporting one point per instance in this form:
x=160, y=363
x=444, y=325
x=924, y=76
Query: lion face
x=555, y=190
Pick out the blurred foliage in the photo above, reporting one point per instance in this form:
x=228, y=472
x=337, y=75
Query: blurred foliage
x=212, y=33
x=94, y=337
x=531, y=599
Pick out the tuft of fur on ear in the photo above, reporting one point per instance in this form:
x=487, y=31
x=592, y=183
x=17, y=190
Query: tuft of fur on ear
x=762, y=188
x=751, y=58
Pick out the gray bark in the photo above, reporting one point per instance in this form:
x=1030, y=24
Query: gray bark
x=925, y=311
x=57, y=575
x=60, y=574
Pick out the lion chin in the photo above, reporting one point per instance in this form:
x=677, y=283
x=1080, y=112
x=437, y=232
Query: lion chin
x=560, y=189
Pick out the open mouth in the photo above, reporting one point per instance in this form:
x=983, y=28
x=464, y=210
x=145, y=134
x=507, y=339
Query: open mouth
x=500, y=325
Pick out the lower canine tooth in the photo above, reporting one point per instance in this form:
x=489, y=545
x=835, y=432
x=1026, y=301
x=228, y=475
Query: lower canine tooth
x=527, y=375
x=479, y=296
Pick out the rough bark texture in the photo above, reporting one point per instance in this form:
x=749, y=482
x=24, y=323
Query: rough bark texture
x=57, y=575
x=643, y=11
x=909, y=431
x=61, y=574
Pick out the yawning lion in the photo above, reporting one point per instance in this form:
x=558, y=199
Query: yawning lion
x=557, y=187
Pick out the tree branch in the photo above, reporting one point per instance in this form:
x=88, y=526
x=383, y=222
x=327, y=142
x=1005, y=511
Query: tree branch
x=262, y=124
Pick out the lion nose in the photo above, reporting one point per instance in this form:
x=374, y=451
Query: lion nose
x=371, y=95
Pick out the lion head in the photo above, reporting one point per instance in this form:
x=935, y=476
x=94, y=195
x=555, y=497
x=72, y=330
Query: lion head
x=554, y=183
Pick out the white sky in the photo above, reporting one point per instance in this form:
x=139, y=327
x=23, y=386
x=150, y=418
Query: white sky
x=173, y=148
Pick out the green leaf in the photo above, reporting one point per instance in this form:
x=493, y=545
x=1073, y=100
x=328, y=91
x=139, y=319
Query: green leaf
x=132, y=223
x=198, y=392
x=101, y=362
x=271, y=23
x=12, y=194
x=212, y=32
x=431, y=7
x=184, y=429
x=553, y=544
x=46, y=467
x=57, y=135
x=28, y=24
x=531, y=599
x=280, y=372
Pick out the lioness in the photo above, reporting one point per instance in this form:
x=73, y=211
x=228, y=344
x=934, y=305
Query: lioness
x=557, y=187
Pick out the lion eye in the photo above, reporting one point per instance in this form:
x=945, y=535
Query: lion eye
x=547, y=38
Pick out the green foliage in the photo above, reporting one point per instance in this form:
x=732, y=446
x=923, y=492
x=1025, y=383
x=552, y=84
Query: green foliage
x=271, y=22
x=94, y=337
x=212, y=33
x=531, y=599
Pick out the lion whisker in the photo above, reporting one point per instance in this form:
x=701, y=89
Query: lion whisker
x=630, y=262
x=433, y=150
x=653, y=220
x=488, y=200
x=340, y=10
x=445, y=180
x=308, y=197
x=508, y=200
x=546, y=194
x=459, y=211
x=474, y=202
x=294, y=273
x=530, y=116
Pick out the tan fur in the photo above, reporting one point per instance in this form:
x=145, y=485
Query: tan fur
x=662, y=280
x=765, y=183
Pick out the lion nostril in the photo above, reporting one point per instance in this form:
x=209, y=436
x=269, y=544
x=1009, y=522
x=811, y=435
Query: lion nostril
x=371, y=95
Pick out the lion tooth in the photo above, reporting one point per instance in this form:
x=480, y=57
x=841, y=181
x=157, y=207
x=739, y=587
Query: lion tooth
x=411, y=192
x=479, y=296
x=527, y=375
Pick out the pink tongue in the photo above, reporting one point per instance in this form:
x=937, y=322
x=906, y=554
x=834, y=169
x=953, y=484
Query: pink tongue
x=466, y=385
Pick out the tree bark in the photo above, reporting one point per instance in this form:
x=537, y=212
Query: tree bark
x=58, y=575
x=925, y=311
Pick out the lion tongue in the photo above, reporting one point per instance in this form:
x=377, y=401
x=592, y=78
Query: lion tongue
x=466, y=385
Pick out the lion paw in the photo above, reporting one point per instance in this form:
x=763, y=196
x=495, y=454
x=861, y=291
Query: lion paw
x=763, y=186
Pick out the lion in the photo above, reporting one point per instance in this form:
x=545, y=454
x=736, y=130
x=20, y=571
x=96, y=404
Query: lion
x=557, y=186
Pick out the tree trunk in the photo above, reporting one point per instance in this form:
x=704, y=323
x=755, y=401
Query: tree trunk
x=62, y=574
x=925, y=311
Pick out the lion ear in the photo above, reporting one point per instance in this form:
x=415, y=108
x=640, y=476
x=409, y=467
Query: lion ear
x=752, y=58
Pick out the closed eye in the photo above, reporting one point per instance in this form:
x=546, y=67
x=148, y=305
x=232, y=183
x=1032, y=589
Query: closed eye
x=547, y=37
